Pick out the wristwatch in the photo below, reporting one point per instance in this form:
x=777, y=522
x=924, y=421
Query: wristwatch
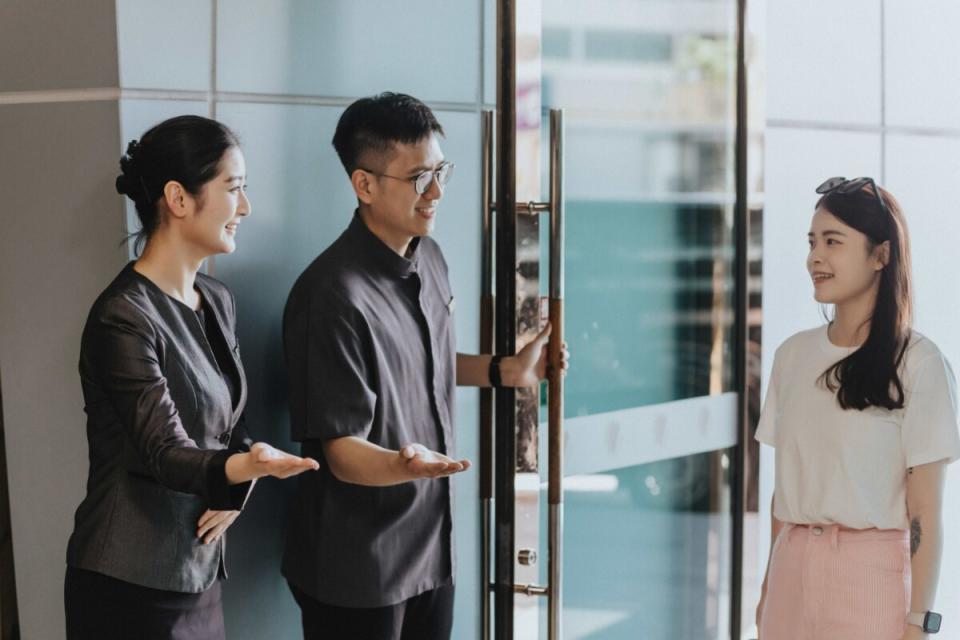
x=928, y=621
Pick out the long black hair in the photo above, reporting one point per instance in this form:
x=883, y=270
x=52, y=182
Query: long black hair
x=870, y=376
x=187, y=149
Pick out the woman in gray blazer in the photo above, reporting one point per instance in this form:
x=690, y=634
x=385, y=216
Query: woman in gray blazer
x=171, y=463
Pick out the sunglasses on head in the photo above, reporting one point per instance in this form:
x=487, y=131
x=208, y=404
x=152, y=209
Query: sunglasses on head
x=845, y=186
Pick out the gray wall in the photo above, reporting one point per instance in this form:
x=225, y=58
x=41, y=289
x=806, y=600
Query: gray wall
x=60, y=245
x=279, y=72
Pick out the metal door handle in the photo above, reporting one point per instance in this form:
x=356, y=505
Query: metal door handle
x=553, y=590
x=486, y=429
x=555, y=384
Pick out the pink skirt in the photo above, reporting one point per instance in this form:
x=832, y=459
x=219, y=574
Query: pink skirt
x=830, y=583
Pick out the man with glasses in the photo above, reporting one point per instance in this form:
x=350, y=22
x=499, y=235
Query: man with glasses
x=372, y=366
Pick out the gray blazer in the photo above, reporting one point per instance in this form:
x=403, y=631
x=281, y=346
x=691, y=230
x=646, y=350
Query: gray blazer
x=160, y=426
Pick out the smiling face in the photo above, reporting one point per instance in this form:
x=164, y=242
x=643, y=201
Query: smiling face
x=211, y=226
x=389, y=202
x=842, y=263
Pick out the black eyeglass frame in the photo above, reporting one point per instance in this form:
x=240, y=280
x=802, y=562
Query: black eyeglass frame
x=845, y=186
x=421, y=182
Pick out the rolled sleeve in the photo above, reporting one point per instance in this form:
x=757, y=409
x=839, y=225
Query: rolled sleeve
x=339, y=399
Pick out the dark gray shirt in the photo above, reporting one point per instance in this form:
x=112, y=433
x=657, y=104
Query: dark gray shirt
x=369, y=343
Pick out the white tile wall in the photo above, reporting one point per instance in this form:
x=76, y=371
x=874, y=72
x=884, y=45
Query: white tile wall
x=922, y=75
x=824, y=61
x=428, y=48
x=164, y=45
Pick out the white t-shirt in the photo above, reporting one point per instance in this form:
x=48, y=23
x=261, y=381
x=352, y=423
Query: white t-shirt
x=849, y=467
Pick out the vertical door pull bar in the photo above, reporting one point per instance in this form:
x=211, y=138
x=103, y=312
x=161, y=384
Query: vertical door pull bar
x=555, y=384
x=486, y=394
x=553, y=591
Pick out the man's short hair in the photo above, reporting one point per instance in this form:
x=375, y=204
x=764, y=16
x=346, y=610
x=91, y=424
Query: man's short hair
x=371, y=126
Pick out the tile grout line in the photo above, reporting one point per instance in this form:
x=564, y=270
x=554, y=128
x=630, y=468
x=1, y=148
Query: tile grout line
x=774, y=123
x=883, y=92
x=210, y=265
x=101, y=94
x=211, y=94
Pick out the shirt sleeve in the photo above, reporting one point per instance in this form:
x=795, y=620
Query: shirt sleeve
x=339, y=397
x=120, y=352
x=224, y=496
x=929, y=429
x=766, y=427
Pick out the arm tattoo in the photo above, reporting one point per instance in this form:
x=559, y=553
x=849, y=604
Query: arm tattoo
x=915, y=534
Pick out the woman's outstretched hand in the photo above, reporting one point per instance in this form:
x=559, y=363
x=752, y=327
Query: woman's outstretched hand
x=264, y=460
x=269, y=461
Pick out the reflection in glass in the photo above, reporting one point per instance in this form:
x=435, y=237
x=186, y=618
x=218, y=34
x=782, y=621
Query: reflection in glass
x=643, y=282
x=647, y=551
x=648, y=90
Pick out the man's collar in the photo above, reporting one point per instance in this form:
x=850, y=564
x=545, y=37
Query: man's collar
x=377, y=251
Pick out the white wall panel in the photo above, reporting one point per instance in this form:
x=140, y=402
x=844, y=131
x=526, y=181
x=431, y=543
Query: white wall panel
x=824, y=61
x=922, y=77
x=165, y=45
x=428, y=48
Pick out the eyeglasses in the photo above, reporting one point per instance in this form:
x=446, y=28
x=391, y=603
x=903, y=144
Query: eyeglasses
x=422, y=181
x=844, y=186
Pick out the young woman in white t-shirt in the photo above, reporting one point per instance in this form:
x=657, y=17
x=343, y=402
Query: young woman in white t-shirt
x=863, y=415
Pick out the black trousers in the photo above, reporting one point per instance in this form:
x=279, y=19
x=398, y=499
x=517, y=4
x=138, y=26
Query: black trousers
x=428, y=616
x=100, y=607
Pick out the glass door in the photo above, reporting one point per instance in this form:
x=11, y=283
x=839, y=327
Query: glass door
x=651, y=408
x=648, y=90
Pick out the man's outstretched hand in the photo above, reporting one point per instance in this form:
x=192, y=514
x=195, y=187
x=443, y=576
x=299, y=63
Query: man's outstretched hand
x=424, y=463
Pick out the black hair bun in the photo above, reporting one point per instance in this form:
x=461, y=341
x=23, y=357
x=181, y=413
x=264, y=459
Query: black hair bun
x=129, y=178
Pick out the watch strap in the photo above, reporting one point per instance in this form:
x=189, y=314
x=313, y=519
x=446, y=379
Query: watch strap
x=494, y=372
x=928, y=621
x=916, y=619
